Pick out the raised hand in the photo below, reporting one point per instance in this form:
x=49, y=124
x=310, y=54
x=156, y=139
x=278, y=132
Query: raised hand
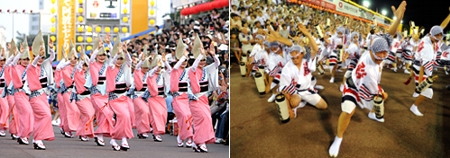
x=186, y=53
x=50, y=44
x=3, y=52
x=212, y=51
x=303, y=29
x=271, y=38
x=164, y=57
x=21, y=48
x=108, y=38
x=100, y=44
x=400, y=11
x=42, y=52
x=203, y=51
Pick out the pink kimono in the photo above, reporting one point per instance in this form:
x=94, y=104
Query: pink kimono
x=4, y=107
x=201, y=114
x=118, y=102
x=23, y=107
x=180, y=103
x=103, y=111
x=86, y=127
x=14, y=124
x=142, y=111
x=157, y=102
x=72, y=112
x=60, y=98
x=37, y=81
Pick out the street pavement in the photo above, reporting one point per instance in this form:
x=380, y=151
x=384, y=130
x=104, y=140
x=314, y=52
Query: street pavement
x=72, y=147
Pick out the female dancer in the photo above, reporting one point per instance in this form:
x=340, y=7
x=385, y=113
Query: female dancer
x=72, y=112
x=156, y=80
x=179, y=88
x=99, y=99
x=141, y=108
x=83, y=101
x=22, y=106
x=199, y=76
x=41, y=69
x=118, y=80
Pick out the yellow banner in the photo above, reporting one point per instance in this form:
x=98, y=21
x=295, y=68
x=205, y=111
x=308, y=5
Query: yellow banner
x=66, y=24
x=139, y=14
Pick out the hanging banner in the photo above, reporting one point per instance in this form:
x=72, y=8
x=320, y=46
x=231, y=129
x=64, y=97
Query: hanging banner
x=355, y=11
x=327, y=4
x=66, y=24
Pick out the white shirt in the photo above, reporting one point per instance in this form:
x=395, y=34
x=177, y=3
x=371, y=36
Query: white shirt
x=353, y=51
x=395, y=45
x=301, y=76
x=366, y=77
x=256, y=48
x=276, y=59
x=335, y=41
x=426, y=54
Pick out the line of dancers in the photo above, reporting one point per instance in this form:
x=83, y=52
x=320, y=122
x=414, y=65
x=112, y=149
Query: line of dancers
x=105, y=90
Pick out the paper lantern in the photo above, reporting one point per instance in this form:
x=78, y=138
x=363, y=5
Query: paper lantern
x=89, y=48
x=80, y=38
x=53, y=10
x=125, y=1
x=80, y=18
x=53, y=1
x=80, y=10
x=124, y=29
x=125, y=19
x=116, y=29
x=89, y=29
x=89, y=39
x=107, y=29
x=79, y=48
x=98, y=29
x=53, y=29
x=152, y=22
x=53, y=38
x=80, y=29
x=152, y=3
x=80, y=1
x=152, y=12
x=53, y=19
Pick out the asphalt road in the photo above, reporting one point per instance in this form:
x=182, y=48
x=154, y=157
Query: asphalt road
x=72, y=147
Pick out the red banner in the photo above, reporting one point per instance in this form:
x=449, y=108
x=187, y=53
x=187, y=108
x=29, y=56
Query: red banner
x=322, y=3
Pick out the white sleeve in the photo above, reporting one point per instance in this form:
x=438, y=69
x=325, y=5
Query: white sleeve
x=255, y=49
x=52, y=55
x=35, y=61
x=368, y=87
x=93, y=55
x=195, y=64
x=113, y=61
x=179, y=62
x=63, y=63
x=138, y=65
x=285, y=80
x=427, y=57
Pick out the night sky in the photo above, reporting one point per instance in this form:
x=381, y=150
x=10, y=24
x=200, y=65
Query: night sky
x=423, y=12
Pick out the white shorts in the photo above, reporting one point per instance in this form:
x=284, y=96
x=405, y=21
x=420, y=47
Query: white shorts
x=312, y=99
x=427, y=93
x=348, y=106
